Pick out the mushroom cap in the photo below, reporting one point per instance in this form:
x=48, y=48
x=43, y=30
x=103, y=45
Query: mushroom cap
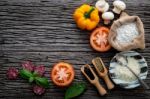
x=108, y=16
x=119, y=4
x=102, y=5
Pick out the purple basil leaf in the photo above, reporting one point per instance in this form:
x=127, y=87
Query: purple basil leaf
x=38, y=90
x=39, y=70
x=28, y=66
x=12, y=73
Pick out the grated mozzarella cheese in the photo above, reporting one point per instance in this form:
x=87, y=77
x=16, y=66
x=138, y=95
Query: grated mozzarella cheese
x=123, y=73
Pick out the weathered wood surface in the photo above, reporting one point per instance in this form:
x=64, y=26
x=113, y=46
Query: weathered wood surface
x=43, y=31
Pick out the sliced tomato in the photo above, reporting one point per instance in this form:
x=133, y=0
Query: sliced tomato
x=99, y=39
x=62, y=74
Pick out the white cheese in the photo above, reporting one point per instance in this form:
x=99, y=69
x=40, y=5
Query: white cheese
x=123, y=73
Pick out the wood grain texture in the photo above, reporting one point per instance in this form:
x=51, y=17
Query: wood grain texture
x=44, y=32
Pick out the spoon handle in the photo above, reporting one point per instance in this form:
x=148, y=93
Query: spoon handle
x=100, y=89
x=140, y=80
x=108, y=82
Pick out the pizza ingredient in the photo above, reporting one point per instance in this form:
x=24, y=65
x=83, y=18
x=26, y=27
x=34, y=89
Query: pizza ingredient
x=28, y=65
x=124, y=73
x=40, y=70
x=86, y=17
x=75, y=90
x=38, y=90
x=42, y=81
x=34, y=74
x=107, y=17
x=12, y=73
x=62, y=74
x=118, y=6
x=31, y=77
x=102, y=6
x=89, y=73
x=26, y=75
x=126, y=33
x=99, y=39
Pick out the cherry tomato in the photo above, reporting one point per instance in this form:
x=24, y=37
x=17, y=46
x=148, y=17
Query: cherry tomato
x=99, y=39
x=62, y=74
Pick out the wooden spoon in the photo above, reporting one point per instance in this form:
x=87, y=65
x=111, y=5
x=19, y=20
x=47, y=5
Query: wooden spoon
x=102, y=71
x=94, y=80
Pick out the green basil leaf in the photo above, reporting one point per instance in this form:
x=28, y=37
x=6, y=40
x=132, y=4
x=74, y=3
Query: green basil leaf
x=35, y=74
x=25, y=74
x=31, y=79
x=75, y=90
x=42, y=81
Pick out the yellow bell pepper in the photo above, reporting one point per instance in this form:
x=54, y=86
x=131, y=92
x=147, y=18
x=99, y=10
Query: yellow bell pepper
x=86, y=17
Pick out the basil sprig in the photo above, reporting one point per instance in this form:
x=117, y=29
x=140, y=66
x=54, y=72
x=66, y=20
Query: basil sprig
x=25, y=74
x=42, y=81
x=75, y=90
x=31, y=77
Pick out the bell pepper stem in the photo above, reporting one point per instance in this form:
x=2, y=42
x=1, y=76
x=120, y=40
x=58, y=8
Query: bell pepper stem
x=87, y=14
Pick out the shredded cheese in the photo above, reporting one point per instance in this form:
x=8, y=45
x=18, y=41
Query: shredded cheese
x=124, y=73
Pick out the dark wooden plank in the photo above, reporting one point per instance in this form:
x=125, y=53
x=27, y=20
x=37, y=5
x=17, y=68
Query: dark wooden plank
x=43, y=31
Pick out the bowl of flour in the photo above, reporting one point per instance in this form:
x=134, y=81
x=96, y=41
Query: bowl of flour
x=121, y=75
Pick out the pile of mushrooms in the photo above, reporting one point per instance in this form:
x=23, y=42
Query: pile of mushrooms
x=103, y=7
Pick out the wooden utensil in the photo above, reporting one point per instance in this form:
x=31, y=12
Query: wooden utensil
x=94, y=79
x=102, y=71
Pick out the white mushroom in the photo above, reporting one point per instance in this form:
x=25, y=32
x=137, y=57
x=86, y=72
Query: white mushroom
x=119, y=6
x=102, y=6
x=107, y=17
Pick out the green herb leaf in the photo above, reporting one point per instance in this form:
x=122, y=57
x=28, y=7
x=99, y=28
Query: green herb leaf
x=75, y=90
x=35, y=74
x=25, y=74
x=31, y=79
x=42, y=81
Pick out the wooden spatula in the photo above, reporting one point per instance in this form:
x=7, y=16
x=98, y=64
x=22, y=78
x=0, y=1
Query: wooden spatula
x=92, y=78
x=102, y=71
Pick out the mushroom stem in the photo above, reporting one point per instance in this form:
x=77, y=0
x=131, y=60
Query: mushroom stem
x=106, y=22
x=116, y=10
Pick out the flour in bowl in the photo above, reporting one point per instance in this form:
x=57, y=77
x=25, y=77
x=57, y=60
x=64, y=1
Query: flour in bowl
x=126, y=33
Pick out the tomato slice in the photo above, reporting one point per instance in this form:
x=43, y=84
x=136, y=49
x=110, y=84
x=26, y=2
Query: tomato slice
x=99, y=39
x=62, y=74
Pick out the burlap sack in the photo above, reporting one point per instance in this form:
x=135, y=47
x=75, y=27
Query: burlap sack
x=138, y=42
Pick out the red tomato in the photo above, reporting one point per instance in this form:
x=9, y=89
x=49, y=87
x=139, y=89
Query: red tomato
x=62, y=74
x=99, y=39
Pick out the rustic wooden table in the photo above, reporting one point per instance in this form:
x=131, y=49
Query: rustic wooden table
x=44, y=32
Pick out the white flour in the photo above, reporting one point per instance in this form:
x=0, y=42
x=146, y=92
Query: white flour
x=126, y=33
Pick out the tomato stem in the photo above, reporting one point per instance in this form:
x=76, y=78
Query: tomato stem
x=87, y=14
